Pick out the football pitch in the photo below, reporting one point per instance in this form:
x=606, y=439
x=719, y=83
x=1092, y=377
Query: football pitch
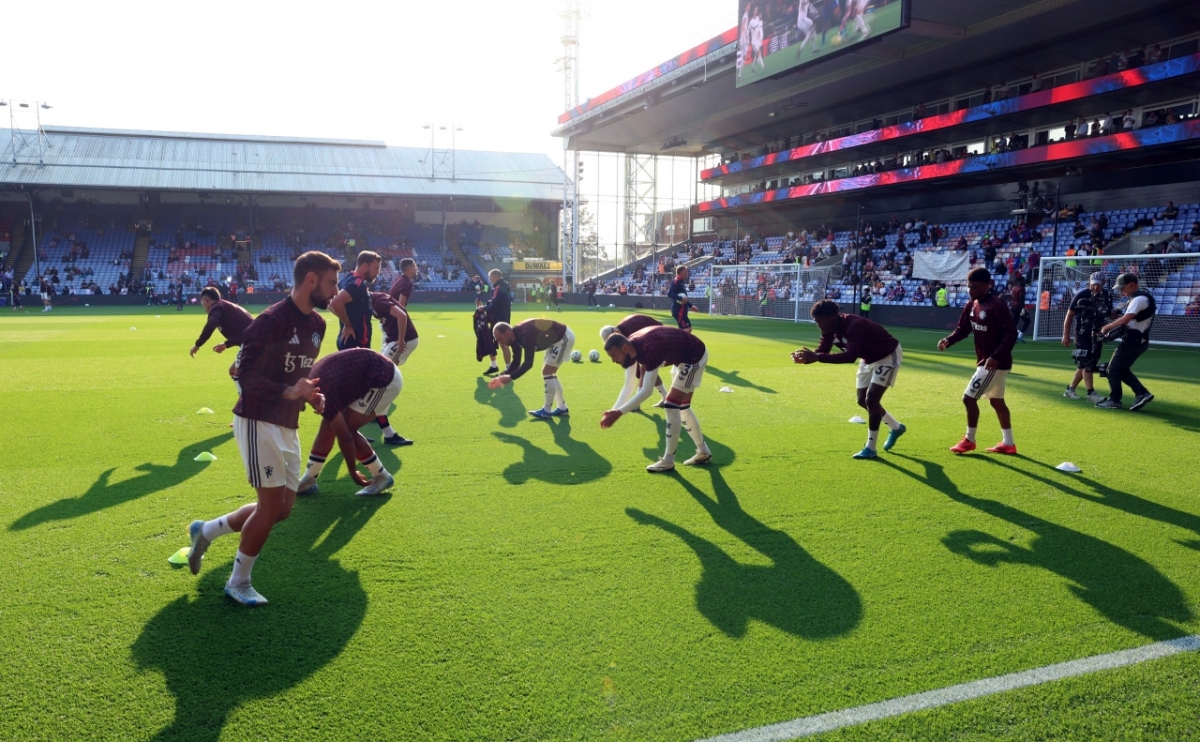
x=529, y=580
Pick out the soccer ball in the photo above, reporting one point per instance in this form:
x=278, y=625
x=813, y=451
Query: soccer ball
x=576, y=356
x=593, y=355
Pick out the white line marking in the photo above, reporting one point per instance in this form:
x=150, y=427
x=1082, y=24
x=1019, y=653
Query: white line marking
x=810, y=725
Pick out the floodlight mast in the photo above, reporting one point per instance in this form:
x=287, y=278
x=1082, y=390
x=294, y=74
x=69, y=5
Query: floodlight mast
x=569, y=234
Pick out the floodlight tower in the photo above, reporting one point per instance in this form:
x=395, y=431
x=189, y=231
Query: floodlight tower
x=28, y=139
x=569, y=241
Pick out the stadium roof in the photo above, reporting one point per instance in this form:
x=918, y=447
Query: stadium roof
x=156, y=160
x=689, y=105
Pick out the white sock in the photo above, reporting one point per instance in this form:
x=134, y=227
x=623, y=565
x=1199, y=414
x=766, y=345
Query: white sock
x=315, y=465
x=242, y=565
x=673, y=425
x=548, y=381
x=872, y=436
x=387, y=432
x=692, y=425
x=659, y=386
x=214, y=528
x=373, y=465
x=891, y=422
x=1008, y=439
x=559, y=401
x=630, y=387
x=971, y=434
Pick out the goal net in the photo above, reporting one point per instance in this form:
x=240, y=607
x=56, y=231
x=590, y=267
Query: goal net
x=1173, y=280
x=785, y=291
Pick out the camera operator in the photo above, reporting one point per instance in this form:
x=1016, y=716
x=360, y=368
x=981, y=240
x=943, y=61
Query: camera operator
x=1089, y=309
x=1134, y=328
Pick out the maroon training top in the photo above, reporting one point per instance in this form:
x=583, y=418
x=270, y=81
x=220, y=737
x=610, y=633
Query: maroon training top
x=666, y=346
x=278, y=349
x=403, y=286
x=995, y=331
x=381, y=305
x=347, y=376
x=635, y=322
x=858, y=337
x=230, y=319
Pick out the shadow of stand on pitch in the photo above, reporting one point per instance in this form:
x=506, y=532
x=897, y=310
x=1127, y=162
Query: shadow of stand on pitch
x=216, y=655
x=796, y=594
x=578, y=464
x=1122, y=587
x=102, y=495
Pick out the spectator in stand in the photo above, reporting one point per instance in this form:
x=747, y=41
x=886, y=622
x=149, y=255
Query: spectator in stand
x=1070, y=129
x=1193, y=307
x=1170, y=213
x=1035, y=83
x=1195, y=230
x=1106, y=124
x=1127, y=120
x=1156, y=55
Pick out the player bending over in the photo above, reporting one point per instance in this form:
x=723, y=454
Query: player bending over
x=879, y=357
x=653, y=348
x=634, y=373
x=227, y=317
x=526, y=339
x=995, y=335
x=399, y=341
x=358, y=384
x=279, y=349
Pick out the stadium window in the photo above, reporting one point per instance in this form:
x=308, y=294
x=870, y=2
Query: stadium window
x=891, y=121
x=1057, y=134
x=1184, y=48
x=941, y=108
x=962, y=104
x=976, y=148
x=1066, y=78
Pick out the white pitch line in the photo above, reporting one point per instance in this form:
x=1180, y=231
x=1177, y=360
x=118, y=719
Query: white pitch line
x=810, y=725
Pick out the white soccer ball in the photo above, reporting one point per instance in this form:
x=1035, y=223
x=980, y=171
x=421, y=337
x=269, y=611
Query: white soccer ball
x=576, y=356
x=593, y=355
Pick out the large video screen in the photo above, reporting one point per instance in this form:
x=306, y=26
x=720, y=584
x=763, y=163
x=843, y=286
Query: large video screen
x=779, y=35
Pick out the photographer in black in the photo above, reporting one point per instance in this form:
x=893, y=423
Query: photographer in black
x=1134, y=328
x=1089, y=309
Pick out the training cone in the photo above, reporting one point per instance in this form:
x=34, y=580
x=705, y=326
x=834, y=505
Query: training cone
x=205, y=456
x=180, y=557
x=204, y=411
x=857, y=420
x=727, y=390
x=133, y=328
x=441, y=336
x=1068, y=466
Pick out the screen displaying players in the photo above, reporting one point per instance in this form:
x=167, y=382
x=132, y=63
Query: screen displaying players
x=777, y=35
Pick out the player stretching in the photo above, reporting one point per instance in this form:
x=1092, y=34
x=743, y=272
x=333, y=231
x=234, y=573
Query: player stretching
x=401, y=292
x=356, y=383
x=995, y=335
x=227, y=317
x=805, y=25
x=526, y=339
x=879, y=357
x=653, y=348
x=633, y=374
x=499, y=311
x=680, y=304
x=279, y=349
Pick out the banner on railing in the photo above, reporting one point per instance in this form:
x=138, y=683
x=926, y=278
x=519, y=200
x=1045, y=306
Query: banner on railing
x=537, y=265
x=941, y=266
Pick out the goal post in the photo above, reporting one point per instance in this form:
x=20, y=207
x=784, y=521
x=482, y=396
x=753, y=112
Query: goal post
x=1173, y=280
x=784, y=291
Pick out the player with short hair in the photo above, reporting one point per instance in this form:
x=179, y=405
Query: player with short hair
x=227, y=317
x=527, y=338
x=352, y=305
x=499, y=311
x=47, y=295
x=680, y=304
x=995, y=335
x=14, y=292
x=357, y=383
x=879, y=357
x=653, y=348
x=634, y=373
x=1089, y=309
x=398, y=350
x=278, y=350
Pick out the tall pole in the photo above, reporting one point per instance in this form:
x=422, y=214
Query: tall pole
x=37, y=264
x=1057, y=209
x=569, y=240
x=858, y=261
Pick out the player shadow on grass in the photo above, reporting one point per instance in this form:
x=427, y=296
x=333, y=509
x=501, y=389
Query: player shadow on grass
x=1119, y=585
x=216, y=655
x=579, y=464
x=796, y=594
x=102, y=495
x=503, y=399
x=1116, y=499
x=734, y=378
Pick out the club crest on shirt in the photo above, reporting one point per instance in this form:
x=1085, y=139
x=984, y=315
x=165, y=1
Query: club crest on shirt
x=316, y=339
x=982, y=314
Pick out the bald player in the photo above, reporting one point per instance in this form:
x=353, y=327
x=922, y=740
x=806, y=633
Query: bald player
x=633, y=374
x=653, y=348
x=528, y=338
x=357, y=383
x=227, y=317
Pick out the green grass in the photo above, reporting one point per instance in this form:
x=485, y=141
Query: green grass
x=529, y=580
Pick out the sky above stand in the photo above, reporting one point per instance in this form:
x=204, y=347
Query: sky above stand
x=347, y=70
